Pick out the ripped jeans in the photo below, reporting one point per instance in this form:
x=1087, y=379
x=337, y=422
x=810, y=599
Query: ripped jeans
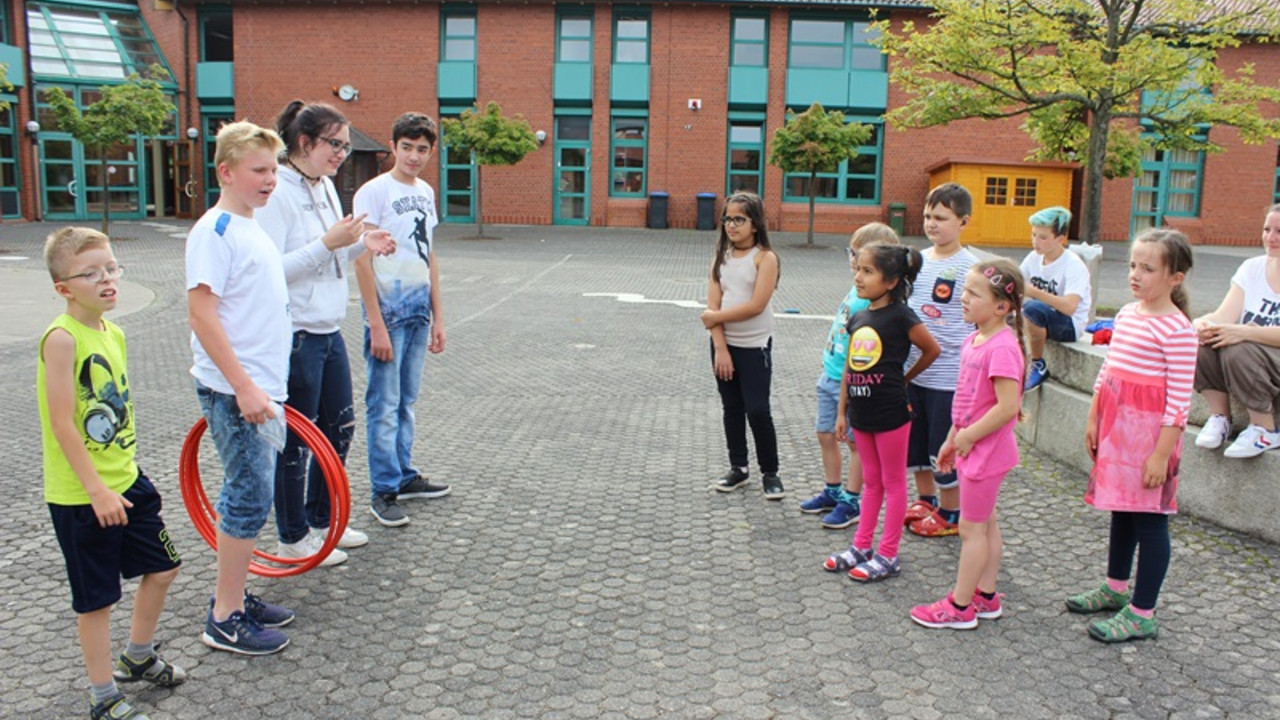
x=320, y=388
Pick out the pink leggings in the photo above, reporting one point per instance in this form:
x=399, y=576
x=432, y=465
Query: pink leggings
x=884, y=479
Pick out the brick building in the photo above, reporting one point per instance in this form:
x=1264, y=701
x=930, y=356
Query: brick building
x=632, y=98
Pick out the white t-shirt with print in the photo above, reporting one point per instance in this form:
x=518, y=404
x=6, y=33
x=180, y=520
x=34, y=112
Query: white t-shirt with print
x=408, y=212
x=1261, y=302
x=1067, y=275
x=935, y=297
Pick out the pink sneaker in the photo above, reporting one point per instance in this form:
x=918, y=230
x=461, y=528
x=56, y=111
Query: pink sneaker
x=988, y=609
x=943, y=614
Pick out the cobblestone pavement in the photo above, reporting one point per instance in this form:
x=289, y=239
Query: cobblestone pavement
x=582, y=567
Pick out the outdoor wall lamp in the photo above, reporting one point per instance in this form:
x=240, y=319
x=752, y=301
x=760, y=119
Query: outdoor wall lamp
x=540, y=136
x=33, y=127
x=192, y=133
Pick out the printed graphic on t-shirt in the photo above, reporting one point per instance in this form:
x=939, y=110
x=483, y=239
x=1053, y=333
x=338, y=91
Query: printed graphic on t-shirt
x=106, y=419
x=944, y=287
x=1268, y=315
x=1049, y=286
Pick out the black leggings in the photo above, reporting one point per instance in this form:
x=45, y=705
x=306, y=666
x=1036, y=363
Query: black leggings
x=1148, y=533
x=745, y=399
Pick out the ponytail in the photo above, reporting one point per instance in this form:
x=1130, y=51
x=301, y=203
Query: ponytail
x=300, y=119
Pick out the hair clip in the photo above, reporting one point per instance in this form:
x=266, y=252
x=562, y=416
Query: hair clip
x=998, y=278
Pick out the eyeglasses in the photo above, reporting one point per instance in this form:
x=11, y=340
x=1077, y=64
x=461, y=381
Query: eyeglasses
x=338, y=146
x=97, y=275
x=853, y=254
x=734, y=220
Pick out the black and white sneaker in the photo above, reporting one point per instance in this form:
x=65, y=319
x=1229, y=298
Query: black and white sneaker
x=387, y=512
x=773, y=487
x=732, y=480
x=420, y=487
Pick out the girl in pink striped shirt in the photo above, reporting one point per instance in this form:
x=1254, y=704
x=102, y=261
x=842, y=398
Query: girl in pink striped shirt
x=1134, y=434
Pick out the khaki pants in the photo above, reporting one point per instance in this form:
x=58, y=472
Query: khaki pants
x=1247, y=371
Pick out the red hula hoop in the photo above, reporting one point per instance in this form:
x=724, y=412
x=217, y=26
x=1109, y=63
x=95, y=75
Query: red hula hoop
x=205, y=518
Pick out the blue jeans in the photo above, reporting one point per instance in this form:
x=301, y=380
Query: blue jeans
x=392, y=391
x=1058, y=327
x=249, y=461
x=320, y=388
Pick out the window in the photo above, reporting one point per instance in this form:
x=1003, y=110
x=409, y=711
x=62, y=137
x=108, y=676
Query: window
x=1169, y=185
x=9, y=144
x=101, y=45
x=459, y=36
x=212, y=124
x=855, y=182
x=750, y=46
x=1024, y=192
x=217, y=40
x=628, y=149
x=746, y=157
x=997, y=191
x=4, y=22
x=631, y=38
x=574, y=43
x=834, y=44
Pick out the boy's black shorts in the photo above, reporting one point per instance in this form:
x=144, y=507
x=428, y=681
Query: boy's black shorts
x=930, y=424
x=97, y=557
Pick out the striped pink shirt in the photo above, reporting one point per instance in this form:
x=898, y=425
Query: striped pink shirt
x=1156, y=346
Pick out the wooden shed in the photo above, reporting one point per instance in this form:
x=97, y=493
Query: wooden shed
x=1005, y=194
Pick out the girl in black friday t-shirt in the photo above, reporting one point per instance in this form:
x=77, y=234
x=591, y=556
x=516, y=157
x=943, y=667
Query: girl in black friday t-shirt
x=873, y=401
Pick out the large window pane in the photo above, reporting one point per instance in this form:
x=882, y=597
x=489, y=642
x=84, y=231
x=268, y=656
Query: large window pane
x=748, y=29
x=860, y=189
x=746, y=133
x=817, y=56
x=575, y=50
x=632, y=51
x=748, y=54
x=574, y=127
x=798, y=186
x=462, y=49
x=817, y=31
x=744, y=183
x=633, y=28
x=744, y=159
x=459, y=25
x=575, y=27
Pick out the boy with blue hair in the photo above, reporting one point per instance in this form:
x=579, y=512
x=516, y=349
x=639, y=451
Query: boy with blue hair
x=1058, y=289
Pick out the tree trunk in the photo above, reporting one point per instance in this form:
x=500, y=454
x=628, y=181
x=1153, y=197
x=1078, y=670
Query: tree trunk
x=1099, y=129
x=106, y=195
x=813, y=180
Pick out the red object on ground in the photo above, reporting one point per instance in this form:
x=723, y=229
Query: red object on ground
x=1102, y=337
x=205, y=518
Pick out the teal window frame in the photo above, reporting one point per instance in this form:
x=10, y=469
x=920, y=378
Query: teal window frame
x=89, y=48
x=857, y=52
x=757, y=146
x=617, y=143
x=5, y=25
x=561, y=37
x=849, y=172
x=206, y=13
x=212, y=119
x=10, y=168
x=632, y=15
x=1155, y=181
x=736, y=42
x=465, y=38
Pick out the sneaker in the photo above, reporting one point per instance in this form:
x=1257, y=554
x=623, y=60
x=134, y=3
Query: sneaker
x=420, y=487
x=987, y=609
x=918, y=510
x=268, y=615
x=1254, y=441
x=1214, y=433
x=387, y=512
x=732, y=480
x=847, y=560
x=114, y=708
x=351, y=538
x=876, y=569
x=822, y=502
x=844, y=515
x=152, y=669
x=1096, y=600
x=773, y=487
x=1124, y=625
x=306, y=547
x=933, y=525
x=945, y=614
x=1036, y=374
x=242, y=634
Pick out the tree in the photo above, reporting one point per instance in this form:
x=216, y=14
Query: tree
x=1098, y=81
x=816, y=141
x=491, y=139
x=138, y=106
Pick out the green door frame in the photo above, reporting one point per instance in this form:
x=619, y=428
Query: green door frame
x=577, y=163
x=63, y=190
x=450, y=170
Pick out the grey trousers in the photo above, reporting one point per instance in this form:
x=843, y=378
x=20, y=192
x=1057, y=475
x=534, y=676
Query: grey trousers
x=1247, y=371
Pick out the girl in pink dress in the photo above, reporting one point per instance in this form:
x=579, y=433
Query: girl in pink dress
x=981, y=446
x=1134, y=434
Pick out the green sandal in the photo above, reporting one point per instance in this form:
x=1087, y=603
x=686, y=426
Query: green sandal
x=1096, y=600
x=1125, y=625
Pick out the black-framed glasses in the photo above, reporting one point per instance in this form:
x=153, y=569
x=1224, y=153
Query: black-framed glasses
x=734, y=220
x=97, y=275
x=336, y=145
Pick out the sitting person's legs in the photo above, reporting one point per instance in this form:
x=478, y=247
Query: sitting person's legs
x=1044, y=323
x=1249, y=372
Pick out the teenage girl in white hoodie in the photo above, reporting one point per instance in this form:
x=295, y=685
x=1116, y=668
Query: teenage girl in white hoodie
x=305, y=218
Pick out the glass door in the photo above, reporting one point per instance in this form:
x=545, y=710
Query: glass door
x=459, y=178
x=63, y=181
x=184, y=183
x=573, y=170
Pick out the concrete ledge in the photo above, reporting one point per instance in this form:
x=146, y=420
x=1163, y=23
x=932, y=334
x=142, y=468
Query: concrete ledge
x=1243, y=495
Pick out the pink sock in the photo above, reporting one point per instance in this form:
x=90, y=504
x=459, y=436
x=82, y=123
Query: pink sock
x=1148, y=614
x=1120, y=586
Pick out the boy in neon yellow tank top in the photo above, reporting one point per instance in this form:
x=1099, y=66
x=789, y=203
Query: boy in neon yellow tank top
x=106, y=513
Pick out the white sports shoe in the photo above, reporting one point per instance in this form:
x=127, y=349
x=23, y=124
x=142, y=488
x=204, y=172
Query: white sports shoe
x=308, y=546
x=351, y=538
x=1214, y=432
x=1254, y=441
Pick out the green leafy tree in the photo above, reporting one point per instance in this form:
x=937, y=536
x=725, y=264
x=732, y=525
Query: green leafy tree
x=138, y=106
x=1097, y=81
x=816, y=141
x=491, y=139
